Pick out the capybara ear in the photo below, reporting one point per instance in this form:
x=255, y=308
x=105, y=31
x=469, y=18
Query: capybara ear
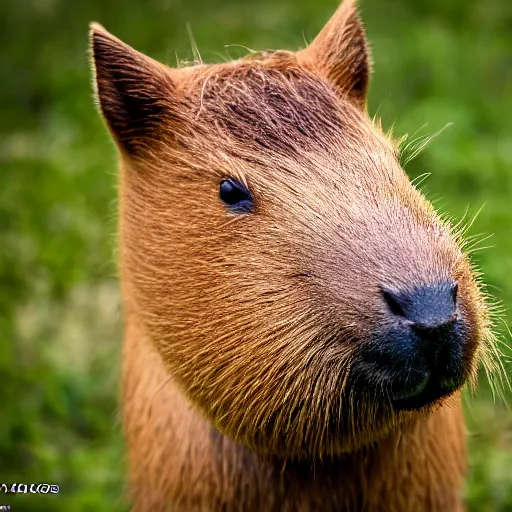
x=134, y=92
x=340, y=53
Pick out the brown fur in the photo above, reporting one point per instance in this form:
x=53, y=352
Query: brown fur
x=242, y=329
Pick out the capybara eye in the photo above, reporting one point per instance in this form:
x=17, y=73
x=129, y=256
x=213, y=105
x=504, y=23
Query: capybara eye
x=235, y=195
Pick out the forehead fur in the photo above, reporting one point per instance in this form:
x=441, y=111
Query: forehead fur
x=269, y=106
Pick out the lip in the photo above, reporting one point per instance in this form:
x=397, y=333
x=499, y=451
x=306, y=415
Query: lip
x=399, y=393
x=428, y=391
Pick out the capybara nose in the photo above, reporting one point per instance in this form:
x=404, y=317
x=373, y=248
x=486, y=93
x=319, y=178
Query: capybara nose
x=419, y=348
x=425, y=309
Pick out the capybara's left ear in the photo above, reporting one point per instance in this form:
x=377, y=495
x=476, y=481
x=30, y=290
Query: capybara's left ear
x=340, y=53
x=135, y=93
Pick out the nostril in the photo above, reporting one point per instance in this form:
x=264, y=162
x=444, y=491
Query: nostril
x=455, y=290
x=392, y=301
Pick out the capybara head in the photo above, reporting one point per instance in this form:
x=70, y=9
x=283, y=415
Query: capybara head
x=300, y=290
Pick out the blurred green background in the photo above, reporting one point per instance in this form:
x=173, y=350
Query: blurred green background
x=436, y=61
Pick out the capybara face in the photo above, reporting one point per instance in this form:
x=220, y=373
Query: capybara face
x=298, y=287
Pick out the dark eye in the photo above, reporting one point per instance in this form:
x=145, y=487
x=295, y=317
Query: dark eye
x=235, y=195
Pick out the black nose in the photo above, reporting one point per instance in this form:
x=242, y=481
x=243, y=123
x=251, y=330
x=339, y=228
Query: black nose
x=419, y=349
x=426, y=308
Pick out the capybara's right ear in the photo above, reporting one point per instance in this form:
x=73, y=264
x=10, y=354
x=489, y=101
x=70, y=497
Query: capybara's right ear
x=134, y=92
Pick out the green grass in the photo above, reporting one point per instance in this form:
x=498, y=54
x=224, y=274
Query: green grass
x=436, y=62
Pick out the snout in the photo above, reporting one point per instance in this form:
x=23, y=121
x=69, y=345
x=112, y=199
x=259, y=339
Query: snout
x=418, y=354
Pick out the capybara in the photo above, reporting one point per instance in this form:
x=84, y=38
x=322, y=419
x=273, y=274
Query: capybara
x=299, y=320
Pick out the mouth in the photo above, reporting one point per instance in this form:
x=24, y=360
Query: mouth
x=427, y=390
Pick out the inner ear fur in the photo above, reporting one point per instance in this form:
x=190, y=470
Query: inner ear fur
x=340, y=53
x=133, y=91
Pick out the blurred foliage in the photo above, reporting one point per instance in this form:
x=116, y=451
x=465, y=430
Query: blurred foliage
x=436, y=61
